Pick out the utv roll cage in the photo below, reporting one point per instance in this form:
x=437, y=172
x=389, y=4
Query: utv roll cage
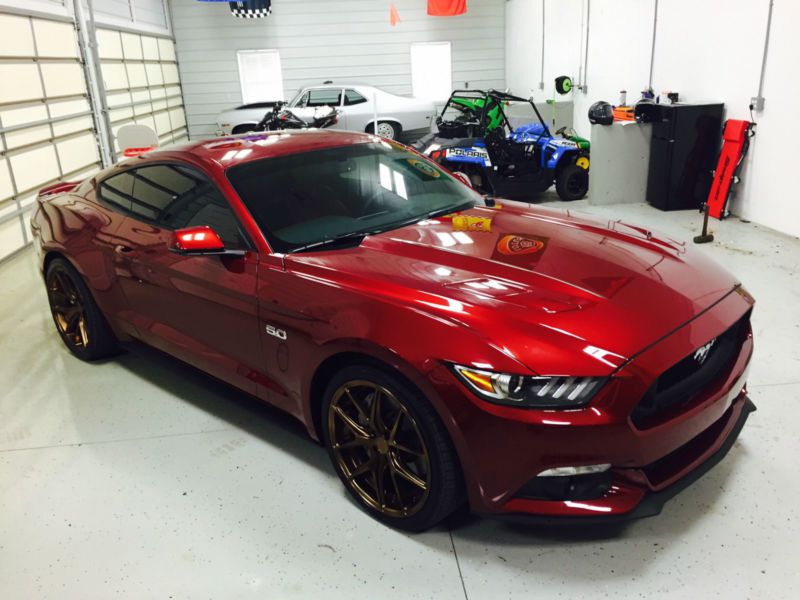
x=490, y=100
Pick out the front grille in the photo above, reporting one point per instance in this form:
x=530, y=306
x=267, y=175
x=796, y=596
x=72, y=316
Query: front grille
x=680, y=385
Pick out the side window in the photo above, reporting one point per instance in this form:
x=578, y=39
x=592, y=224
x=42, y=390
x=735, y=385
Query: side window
x=118, y=191
x=303, y=101
x=352, y=97
x=175, y=196
x=156, y=187
x=324, y=97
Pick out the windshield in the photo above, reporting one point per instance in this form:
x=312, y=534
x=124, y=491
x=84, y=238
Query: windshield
x=304, y=199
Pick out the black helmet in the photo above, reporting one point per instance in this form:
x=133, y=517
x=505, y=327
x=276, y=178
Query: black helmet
x=601, y=113
x=647, y=111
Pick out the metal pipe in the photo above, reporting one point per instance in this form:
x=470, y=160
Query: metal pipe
x=759, y=100
x=541, y=72
x=104, y=131
x=584, y=88
x=653, y=47
x=580, y=50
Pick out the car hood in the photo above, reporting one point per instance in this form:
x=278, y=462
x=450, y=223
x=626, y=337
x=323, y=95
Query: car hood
x=551, y=289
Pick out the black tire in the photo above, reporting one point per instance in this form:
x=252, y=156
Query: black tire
x=445, y=490
x=78, y=320
x=572, y=182
x=387, y=129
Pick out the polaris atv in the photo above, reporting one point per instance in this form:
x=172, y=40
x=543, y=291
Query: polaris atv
x=476, y=137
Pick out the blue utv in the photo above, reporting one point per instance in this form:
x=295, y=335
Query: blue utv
x=476, y=137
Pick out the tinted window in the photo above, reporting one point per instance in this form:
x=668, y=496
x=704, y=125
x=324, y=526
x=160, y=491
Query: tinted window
x=324, y=97
x=301, y=199
x=352, y=97
x=118, y=190
x=174, y=196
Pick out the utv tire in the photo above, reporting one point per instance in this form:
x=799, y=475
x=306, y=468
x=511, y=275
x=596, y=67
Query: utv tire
x=390, y=449
x=572, y=182
x=78, y=320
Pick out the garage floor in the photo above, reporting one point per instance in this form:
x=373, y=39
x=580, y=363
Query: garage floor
x=141, y=478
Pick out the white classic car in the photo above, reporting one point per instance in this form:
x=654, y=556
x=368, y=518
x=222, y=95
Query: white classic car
x=356, y=103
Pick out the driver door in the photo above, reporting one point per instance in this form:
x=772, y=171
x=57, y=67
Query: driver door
x=202, y=309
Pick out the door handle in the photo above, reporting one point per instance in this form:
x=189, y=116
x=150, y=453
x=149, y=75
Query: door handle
x=124, y=250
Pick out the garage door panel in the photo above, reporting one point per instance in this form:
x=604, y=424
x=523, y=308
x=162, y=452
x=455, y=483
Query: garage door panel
x=154, y=75
x=109, y=44
x=177, y=117
x=16, y=37
x=150, y=47
x=6, y=189
x=26, y=83
x=118, y=114
x=163, y=125
x=25, y=114
x=69, y=107
x=118, y=98
x=30, y=135
x=137, y=76
x=34, y=167
x=55, y=39
x=11, y=238
x=73, y=125
x=131, y=46
x=166, y=50
x=63, y=79
x=115, y=76
x=78, y=152
x=171, y=73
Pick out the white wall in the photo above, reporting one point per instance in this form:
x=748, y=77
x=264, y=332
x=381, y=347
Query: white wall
x=321, y=39
x=705, y=50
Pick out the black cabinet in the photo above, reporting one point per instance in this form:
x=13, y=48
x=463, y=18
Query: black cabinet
x=683, y=154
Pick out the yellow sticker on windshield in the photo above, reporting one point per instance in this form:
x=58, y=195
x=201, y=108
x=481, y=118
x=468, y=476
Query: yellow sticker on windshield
x=425, y=168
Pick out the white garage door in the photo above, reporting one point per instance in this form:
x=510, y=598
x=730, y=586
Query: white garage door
x=140, y=76
x=46, y=127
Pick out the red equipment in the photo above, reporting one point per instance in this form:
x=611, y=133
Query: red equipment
x=736, y=138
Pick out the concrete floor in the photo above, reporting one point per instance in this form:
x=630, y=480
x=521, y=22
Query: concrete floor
x=140, y=478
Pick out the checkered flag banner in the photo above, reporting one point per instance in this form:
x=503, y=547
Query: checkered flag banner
x=251, y=9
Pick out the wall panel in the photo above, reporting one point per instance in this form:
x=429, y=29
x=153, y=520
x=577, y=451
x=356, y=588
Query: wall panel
x=320, y=40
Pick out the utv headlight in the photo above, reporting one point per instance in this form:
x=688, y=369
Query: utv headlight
x=530, y=392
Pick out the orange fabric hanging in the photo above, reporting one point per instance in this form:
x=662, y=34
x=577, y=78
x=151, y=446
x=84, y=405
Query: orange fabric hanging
x=446, y=8
x=394, y=16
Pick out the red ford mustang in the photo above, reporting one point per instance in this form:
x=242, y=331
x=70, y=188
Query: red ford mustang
x=445, y=348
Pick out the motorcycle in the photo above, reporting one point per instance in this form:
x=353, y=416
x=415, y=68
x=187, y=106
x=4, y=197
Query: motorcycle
x=312, y=117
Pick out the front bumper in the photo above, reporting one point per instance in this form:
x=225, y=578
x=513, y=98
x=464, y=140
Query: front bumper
x=627, y=502
x=502, y=449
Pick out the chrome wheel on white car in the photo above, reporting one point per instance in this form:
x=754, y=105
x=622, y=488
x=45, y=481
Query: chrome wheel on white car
x=387, y=130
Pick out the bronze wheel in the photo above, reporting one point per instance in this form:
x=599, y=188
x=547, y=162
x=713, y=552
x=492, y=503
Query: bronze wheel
x=68, y=310
x=390, y=449
x=78, y=319
x=379, y=448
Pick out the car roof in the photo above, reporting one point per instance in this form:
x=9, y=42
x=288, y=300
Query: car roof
x=237, y=149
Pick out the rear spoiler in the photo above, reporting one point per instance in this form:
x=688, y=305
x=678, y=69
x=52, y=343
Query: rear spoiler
x=60, y=187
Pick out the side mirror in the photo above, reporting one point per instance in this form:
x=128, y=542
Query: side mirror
x=199, y=240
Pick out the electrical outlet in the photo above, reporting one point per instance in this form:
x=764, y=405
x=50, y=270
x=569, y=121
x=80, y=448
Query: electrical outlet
x=757, y=102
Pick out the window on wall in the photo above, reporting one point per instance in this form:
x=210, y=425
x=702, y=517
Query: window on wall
x=260, y=75
x=431, y=70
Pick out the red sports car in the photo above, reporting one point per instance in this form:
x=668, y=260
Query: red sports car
x=446, y=348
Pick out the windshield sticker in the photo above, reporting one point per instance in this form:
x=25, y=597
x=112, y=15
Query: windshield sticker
x=425, y=168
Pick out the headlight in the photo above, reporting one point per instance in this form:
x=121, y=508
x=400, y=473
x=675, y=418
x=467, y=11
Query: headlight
x=530, y=392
